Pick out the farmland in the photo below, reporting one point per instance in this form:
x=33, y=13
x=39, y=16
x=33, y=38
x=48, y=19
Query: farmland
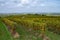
x=4, y=33
x=30, y=27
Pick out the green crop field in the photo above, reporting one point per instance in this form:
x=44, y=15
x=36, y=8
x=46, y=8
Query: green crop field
x=30, y=27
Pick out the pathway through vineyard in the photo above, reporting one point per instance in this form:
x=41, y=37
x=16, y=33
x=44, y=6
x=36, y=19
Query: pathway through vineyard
x=30, y=34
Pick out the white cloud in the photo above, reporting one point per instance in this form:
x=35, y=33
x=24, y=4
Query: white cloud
x=2, y=4
x=19, y=5
x=42, y=4
x=32, y=3
x=24, y=1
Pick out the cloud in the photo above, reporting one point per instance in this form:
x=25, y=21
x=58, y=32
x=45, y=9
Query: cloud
x=1, y=5
x=42, y=4
x=29, y=5
x=24, y=1
x=14, y=3
x=19, y=3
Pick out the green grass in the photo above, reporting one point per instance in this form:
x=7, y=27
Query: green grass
x=25, y=35
x=4, y=33
x=52, y=36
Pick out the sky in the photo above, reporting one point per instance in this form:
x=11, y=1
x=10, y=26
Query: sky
x=29, y=6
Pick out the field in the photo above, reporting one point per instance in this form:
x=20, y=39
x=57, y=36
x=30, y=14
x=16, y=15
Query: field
x=4, y=33
x=30, y=27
